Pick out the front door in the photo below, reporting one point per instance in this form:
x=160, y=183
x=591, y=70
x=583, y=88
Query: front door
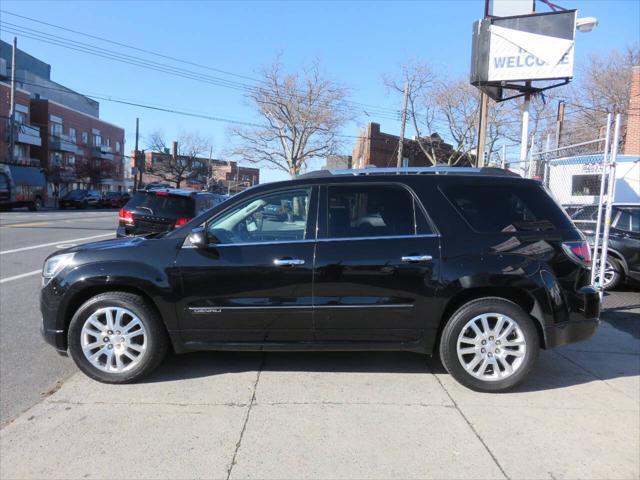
x=254, y=282
x=377, y=264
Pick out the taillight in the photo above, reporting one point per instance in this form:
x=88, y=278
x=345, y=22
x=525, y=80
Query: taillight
x=579, y=252
x=181, y=221
x=125, y=216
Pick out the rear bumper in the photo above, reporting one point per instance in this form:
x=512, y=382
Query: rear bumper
x=584, y=313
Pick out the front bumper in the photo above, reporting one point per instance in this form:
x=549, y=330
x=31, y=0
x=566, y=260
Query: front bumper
x=55, y=338
x=583, y=319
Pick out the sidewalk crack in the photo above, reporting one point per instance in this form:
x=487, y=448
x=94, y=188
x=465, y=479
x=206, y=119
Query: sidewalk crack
x=473, y=429
x=246, y=418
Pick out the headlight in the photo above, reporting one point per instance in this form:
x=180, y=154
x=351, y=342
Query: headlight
x=54, y=265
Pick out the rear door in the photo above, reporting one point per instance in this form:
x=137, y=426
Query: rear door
x=377, y=262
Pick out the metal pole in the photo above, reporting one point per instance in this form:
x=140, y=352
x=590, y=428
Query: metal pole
x=402, y=124
x=603, y=182
x=136, y=158
x=559, y=122
x=12, y=111
x=524, y=136
x=611, y=191
x=482, y=129
x=504, y=155
x=530, y=165
x=210, y=173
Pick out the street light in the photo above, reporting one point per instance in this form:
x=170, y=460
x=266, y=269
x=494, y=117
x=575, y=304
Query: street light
x=586, y=24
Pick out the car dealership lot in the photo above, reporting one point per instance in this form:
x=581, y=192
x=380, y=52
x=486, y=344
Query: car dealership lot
x=294, y=415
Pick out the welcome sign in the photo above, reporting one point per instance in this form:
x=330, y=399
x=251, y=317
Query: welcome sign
x=518, y=55
x=522, y=48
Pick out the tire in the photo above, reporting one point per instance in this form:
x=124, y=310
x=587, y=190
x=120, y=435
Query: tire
x=121, y=368
x=36, y=205
x=614, y=273
x=495, y=347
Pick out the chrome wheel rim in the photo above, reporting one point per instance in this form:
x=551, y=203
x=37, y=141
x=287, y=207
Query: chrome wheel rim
x=491, y=347
x=113, y=339
x=609, y=274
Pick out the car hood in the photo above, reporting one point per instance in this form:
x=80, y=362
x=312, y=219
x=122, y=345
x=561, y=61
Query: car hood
x=116, y=243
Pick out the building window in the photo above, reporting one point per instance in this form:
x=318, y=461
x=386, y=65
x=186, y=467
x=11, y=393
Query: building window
x=72, y=134
x=85, y=137
x=97, y=140
x=56, y=129
x=71, y=160
x=108, y=144
x=117, y=147
x=20, y=153
x=586, y=184
x=55, y=158
x=20, y=117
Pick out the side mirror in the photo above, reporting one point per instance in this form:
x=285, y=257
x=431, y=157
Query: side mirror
x=198, y=237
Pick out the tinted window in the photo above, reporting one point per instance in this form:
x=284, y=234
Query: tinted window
x=162, y=204
x=629, y=220
x=370, y=211
x=274, y=217
x=506, y=208
x=4, y=184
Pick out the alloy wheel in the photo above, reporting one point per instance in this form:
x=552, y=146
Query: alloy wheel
x=113, y=339
x=609, y=275
x=491, y=347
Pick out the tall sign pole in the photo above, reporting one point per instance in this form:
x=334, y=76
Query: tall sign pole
x=482, y=128
x=136, y=158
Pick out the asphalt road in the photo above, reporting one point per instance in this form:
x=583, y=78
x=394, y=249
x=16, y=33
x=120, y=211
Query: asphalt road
x=30, y=369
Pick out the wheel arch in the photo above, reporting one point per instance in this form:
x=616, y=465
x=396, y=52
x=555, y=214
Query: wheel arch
x=618, y=256
x=81, y=296
x=519, y=296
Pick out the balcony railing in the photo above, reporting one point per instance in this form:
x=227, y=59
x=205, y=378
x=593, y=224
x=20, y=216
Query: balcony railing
x=25, y=133
x=102, y=152
x=63, y=143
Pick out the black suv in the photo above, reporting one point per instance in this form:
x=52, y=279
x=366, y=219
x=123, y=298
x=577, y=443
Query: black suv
x=478, y=265
x=623, y=248
x=80, y=198
x=162, y=209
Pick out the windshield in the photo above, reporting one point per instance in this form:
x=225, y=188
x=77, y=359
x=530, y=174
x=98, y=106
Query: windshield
x=162, y=204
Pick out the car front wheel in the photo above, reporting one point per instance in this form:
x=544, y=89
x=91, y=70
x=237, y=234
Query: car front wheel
x=489, y=345
x=117, y=337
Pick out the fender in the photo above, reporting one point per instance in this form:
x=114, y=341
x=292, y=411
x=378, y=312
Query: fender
x=89, y=279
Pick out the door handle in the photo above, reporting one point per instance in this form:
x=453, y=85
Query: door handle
x=416, y=258
x=287, y=262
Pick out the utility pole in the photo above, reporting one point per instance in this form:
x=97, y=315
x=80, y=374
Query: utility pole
x=12, y=110
x=402, y=125
x=136, y=158
x=230, y=179
x=174, y=157
x=482, y=128
x=210, y=170
x=559, y=122
x=524, y=136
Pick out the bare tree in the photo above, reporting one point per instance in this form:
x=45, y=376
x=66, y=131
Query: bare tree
x=188, y=162
x=94, y=170
x=302, y=114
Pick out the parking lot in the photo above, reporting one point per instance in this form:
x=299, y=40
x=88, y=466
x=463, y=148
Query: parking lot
x=302, y=415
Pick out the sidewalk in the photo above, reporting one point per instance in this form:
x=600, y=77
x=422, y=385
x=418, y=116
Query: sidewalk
x=342, y=415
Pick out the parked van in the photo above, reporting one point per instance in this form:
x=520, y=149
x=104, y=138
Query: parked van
x=21, y=186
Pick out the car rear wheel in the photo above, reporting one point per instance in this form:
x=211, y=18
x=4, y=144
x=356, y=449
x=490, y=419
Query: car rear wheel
x=489, y=345
x=117, y=337
x=613, y=274
x=36, y=205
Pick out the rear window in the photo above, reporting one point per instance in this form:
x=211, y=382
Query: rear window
x=162, y=205
x=491, y=208
x=76, y=194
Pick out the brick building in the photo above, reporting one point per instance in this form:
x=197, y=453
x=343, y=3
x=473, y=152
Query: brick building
x=226, y=176
x=632, y=138
x=375, y=148
x=58, y=131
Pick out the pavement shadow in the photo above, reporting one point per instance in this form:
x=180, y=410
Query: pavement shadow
x=552, y=371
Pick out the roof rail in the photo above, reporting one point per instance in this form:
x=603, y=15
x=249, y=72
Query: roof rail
x=437, y=170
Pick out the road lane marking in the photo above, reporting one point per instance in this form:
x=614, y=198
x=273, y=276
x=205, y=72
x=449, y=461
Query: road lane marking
x=42, y=245
x=18, y=277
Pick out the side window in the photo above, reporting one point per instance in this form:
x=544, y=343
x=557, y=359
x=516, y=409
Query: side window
x=629, y=220
x=371, y=211
x=491, y=208
x=275, y=217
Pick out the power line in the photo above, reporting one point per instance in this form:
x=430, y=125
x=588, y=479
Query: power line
x=162, y=67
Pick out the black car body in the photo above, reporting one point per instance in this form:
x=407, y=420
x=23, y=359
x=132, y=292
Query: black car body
x=80, y=198
x=363, y=262
x=623, y=246
x=160, y=210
